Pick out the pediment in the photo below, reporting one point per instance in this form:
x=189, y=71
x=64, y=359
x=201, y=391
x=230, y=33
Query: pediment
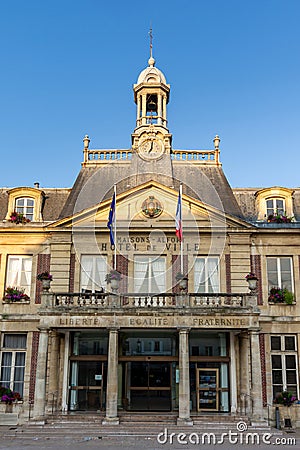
x=130, y=211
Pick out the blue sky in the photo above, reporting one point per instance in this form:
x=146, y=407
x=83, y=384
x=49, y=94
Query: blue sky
x=68, y=68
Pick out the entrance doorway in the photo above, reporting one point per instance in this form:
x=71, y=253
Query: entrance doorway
x=88, y=382
x=207, y=389
x=148, y=386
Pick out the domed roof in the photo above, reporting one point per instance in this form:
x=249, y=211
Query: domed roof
x=151, y=74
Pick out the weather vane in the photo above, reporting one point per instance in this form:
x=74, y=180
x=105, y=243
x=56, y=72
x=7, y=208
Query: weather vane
x=151, y=40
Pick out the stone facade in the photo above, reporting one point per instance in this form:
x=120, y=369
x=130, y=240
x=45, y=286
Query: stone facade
x=150, y=344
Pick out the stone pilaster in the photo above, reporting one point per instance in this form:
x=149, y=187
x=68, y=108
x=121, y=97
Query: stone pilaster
x=111, y=417
x=41, y=372
x=245, y=400
x=184, y=379
x=256, y=392
x=53, y=372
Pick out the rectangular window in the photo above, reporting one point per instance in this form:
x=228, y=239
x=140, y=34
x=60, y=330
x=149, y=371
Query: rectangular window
x=150, y=274
x=284, y=364
x=93, y=272
x=18, y=273
x=206, y=275
x=13, y=355
x=25, y=206
x=280, y=273
x=275, y=206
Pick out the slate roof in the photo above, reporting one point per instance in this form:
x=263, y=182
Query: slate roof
x=95, y=184
x=207, y=183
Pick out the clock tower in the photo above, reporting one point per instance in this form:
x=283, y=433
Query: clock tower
x=151, y=139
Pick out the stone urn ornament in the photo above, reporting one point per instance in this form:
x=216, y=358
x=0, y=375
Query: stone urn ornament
x=182, y=282
x=113, y=278
x=251, y=279
x=45, y=278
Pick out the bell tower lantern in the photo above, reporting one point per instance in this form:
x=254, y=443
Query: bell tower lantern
x=151, y=95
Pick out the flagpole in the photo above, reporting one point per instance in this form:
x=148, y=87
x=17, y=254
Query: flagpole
x=181, y=241
x=115, y=228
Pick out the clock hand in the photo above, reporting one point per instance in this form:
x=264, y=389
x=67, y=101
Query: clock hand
x=151, y=147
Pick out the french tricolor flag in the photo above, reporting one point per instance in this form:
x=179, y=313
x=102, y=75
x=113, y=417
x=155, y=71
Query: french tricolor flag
x=178, y=219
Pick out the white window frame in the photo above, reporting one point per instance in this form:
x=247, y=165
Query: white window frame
x=280, y=284
x=27, y=210
x=93, y=269
x=275, y=209
x=148, y=264
x=17, y=275
x=283, y=353
x=206, y=273
x=12, y=383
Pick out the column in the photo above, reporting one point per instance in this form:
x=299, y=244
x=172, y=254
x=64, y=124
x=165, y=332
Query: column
x=164, y=110
x=138, y=111
x=53, y=371
x=256, y=389
x=41, y=375
x=159, y=109
x=112, y=380
x=184, y=379
x=245, y=403
x=233, y=374
x=65, y=347
x=144, y=106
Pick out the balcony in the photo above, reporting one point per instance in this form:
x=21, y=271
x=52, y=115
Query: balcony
x=107, y=301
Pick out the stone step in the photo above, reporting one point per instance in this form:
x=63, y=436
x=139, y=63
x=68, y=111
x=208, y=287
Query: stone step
x=87, y=434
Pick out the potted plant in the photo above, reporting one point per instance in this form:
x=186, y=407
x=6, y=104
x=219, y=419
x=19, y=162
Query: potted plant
x=279, y=218
x=285, y=398
x=45, y=278
x=16, y=217
x=113, y=278
x=278, y=295
x=15, y=294
x=182, y=281
x=251, y=278
x=288, y=297
x=8, y=396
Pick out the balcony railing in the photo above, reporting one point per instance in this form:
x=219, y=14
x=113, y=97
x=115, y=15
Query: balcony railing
x=133, y=300
x=103, y=156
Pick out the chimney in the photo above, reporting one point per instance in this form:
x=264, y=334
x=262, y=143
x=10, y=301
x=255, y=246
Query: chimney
x=37, y=185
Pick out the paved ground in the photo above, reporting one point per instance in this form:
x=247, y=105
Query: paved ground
x=156, y=438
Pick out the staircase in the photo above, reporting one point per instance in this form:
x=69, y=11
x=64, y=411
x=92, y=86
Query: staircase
x=88, y=426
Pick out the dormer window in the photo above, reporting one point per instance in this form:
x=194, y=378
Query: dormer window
x=274, y=201
x=25, y=206
x=27, y=202
x=275, y=206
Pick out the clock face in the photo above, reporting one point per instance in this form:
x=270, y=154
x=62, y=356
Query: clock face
x=150, y=149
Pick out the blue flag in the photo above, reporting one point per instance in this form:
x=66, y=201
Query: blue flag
x=111, y=220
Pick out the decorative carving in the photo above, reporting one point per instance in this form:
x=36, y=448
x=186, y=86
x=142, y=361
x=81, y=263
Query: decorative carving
x=152, y=207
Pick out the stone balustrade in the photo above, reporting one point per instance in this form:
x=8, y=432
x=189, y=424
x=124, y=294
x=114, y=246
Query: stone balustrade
x=198, y=156
x=132, y=300
x=106, y=156
x=103, y=156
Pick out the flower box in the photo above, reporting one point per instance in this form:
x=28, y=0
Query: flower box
x=15, y=294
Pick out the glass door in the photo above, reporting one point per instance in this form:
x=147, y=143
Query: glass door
x=207, y=389
x=149, y=387
x=88, y=379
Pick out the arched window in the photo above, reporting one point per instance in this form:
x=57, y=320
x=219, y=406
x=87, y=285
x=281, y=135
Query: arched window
x=25, y=206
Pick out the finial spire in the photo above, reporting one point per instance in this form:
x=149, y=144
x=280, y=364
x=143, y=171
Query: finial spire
x=151, y=40
x=151, y=60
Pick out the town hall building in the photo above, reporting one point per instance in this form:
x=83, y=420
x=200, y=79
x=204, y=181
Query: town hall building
x=138, y=318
